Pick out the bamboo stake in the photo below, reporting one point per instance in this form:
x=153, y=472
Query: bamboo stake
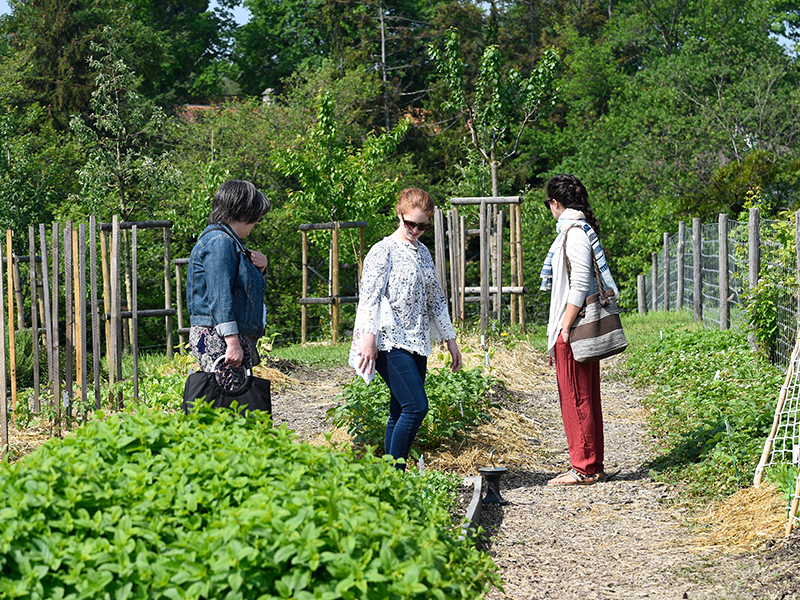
x=451, y=242
x=69, y=309
x=3, y=386
x=125, y=274
x=360, y=253
x=47, y=314
x=135, y=310
x=335, y=282
x=81, y=305
x=303, y=307
x=12, y=354
x=116, y=308
x=790, y=371
x=793, y=510
x=462, y=231
x=498, y=299
x=520, y=270
x=179, y=300
x=57, y=404
x=95, y=310
x=34, y=318
x=168, y=290
x=512, y=251
x=104, y=241
x=18, y=294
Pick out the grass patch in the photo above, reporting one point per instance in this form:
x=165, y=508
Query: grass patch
x=320, y=355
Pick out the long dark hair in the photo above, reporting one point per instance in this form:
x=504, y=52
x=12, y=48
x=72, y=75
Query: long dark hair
x=571, y=193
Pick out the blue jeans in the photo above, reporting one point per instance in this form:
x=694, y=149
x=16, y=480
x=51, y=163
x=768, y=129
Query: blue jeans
x=404, y=373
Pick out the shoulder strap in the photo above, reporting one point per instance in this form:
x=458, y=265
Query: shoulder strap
x=594, y=260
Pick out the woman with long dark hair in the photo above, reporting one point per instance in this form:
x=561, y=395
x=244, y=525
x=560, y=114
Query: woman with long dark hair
x=570, y=280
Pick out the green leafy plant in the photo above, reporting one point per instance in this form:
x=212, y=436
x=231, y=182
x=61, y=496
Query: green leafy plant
x=701, y=379
x=457, y=401
x=212, y=505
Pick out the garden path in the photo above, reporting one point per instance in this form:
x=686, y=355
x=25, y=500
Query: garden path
x=625, y=538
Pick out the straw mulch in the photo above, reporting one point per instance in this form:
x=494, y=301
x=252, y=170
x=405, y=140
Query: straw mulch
x=745, y=522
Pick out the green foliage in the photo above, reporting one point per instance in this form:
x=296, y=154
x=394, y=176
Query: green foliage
x=216, y=506
x=784, y=476
x=456, y=402
x=704, y=383
x=318, y=355
x=128, y=171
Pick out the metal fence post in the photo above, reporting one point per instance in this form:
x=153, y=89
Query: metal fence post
x=697, y=254
x=724, y=283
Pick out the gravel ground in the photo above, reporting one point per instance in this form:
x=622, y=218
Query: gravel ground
x=623, y=538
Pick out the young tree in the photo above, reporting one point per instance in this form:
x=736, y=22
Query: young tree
x=503, y=103
x=128, y=170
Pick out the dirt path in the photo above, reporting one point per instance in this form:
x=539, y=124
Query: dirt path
x=624, y=538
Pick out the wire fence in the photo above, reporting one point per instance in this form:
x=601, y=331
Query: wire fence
x=734, y=271
x=775, y=257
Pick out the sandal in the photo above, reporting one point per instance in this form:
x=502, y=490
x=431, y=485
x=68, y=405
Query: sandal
x=577, y=478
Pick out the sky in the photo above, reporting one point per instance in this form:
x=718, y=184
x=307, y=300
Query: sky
x=241, y=14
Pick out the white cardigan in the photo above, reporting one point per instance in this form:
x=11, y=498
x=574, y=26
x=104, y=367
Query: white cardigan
x=583, y=281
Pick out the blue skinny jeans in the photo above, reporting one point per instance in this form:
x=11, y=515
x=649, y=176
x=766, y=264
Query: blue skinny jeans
x=404, y=373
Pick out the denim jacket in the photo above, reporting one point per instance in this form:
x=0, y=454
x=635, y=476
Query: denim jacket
x=224, y=289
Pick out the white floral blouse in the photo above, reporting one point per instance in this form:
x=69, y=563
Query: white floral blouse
x=414, y=311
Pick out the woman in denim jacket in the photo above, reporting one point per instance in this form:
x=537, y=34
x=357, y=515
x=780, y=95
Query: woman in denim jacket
x=225, y=284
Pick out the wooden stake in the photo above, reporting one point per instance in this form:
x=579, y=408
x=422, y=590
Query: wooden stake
x=135, y=310
x=81, y=320
x=95, y=310
x=335, y=283
x=69, y=309
x=498, y=299
x=168, y=290
x=34, y=317
x=179, y=300
x=512, y=251
x=3, y=386
x=47, y=315
x=303, y=307
x=18, y=294
x=520, y=271
x=12, y=353
x=116, y=308
x=107, y=304
x=56, y=353
x=462, y=231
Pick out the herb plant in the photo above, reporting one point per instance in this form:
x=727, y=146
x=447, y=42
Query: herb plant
x=456, y=401
x=211, y=505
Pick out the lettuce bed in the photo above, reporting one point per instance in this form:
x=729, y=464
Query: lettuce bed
x=153, y=505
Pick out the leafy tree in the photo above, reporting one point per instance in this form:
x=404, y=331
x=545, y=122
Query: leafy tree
x=128, y=171
x=501, y=102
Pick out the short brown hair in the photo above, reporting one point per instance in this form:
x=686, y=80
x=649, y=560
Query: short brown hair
x=415, y=198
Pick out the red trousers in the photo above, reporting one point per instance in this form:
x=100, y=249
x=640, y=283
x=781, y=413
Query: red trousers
x=579, y=392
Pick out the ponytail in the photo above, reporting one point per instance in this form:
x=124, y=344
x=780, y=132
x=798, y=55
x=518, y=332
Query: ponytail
x=571, y=193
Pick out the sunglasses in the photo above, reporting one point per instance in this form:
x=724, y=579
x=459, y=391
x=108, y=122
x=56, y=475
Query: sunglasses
x=547, y=203
x=410, y=225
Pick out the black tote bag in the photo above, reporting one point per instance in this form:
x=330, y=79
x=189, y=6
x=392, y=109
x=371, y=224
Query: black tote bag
x=253, y=394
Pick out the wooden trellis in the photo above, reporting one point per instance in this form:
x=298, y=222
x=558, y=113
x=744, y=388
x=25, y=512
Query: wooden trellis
x=334, y=300
x=491, y=258
x=54, y=277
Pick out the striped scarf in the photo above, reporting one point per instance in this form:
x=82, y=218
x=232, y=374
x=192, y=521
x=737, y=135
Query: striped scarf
x=567, y=219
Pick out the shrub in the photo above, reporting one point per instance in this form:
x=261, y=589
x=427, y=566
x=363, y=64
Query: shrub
x=211, y=505
x=457, y=401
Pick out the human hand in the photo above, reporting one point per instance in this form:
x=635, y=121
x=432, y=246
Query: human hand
x=234, y=355
x=368, y=353
x=455, y=354
x=259, y=260
x=565, y=336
